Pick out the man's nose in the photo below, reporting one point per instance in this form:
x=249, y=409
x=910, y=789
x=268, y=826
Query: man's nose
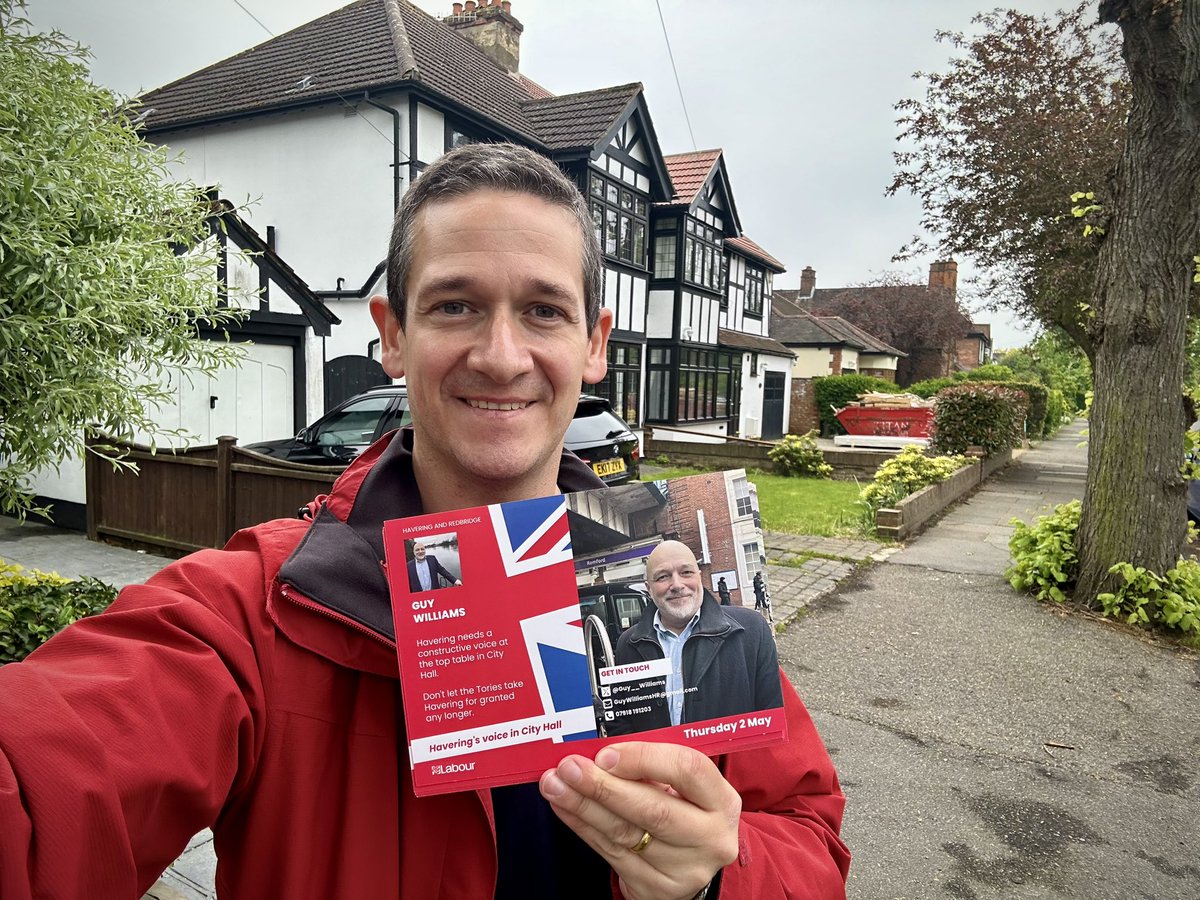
x=502, y=350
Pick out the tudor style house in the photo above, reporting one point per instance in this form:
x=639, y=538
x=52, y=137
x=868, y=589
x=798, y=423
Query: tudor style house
x=328, y=124
x=316, y=134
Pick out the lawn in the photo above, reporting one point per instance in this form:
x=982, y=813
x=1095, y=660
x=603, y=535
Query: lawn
x=813, y=506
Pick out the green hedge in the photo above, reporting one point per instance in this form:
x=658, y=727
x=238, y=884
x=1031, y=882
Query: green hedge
x=35, y=605
x=1056, y=411
x=835, y=391
x=930, y=386
x=989, y=416
x=988, y=372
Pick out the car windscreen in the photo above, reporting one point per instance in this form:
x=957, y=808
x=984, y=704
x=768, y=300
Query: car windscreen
x=595, y=427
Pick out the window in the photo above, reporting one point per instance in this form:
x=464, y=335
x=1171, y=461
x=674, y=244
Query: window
x=622, y=385
x=754, y=290
x=752, y=559
x=624, y=214
x=741, y=496
x=705, y=385
x=664, y=256
x=702, y=257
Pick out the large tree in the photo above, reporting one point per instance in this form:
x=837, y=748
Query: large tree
x=1033, y=111
x=1133, y=507
x=1029, y=111
x=97, y=296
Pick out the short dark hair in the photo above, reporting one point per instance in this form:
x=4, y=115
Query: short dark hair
x=495, y=167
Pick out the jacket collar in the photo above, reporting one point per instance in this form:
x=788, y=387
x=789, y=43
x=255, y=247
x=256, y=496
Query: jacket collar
x=338, y=568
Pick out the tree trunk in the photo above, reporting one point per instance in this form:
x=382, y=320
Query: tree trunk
x=1133, y=508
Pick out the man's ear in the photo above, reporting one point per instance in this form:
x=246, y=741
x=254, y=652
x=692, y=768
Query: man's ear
x=596, y=366
x=391, y=337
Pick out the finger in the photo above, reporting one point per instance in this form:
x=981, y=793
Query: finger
x=620, y=810
x=693, y=775
x=660, y=870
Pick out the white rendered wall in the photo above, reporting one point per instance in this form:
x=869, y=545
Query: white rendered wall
x=660, y=313
x=877, y=361
x=811, y=362
x=750, y=411
x=322, y=178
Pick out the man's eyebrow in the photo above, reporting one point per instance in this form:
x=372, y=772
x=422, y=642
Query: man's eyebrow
x=540, y=287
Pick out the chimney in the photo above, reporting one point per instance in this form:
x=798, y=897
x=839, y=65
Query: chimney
x=944, y=275
x=457, y=9
x=490, y=26
x=808, y=281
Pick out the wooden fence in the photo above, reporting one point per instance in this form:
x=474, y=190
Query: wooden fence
x=194, y=498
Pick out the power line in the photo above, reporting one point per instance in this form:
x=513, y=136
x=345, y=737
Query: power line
x=307, y=80
x=671, y=56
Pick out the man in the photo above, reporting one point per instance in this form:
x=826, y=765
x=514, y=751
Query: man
x=723, y=660
x=255, y=689
x=760, y=592
x=424, y=571
x=723, y=592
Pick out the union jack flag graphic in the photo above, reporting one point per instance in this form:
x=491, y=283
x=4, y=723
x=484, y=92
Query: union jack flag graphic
x=531, y=534
x=554, y=642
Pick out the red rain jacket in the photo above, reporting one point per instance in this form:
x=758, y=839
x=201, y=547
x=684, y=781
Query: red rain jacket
x=254, y=690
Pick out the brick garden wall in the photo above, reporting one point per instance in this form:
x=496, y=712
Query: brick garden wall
x=803, y=417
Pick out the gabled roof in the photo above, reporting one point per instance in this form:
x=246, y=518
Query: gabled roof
x=744, y=245
x=689, y=173
x=803, y=330
x=692, y=173
x=370, y=45
x=580, y=121
x=740, y=341
x=225, y=218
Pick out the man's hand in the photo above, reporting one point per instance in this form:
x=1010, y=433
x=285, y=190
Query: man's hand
x=675, y=793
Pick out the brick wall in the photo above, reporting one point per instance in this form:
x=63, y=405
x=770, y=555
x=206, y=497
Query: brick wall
x=803, y=417
x=706, y=493
x=835, y=361
x=885, y=374
x=967, y=351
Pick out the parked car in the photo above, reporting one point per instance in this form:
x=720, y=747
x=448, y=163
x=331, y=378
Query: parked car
x=597, y=435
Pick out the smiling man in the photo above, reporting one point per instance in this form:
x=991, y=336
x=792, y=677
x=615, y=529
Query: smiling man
x=723, y=659
x=254, y=690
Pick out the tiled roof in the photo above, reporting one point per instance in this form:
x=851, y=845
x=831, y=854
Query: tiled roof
x=689, y=172
x=741, y=341
x=744, y=245
x=578, y=121
x=532, y=88
x=806, y=330
x=368, y=45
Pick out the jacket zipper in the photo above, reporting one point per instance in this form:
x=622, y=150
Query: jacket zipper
x=302, y=601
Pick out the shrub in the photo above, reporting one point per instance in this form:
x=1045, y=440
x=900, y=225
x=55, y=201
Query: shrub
x=835, y=391
x=990, y=372
x=906, y=473
x=1171, y=600
x=930, y=386
x=982, y=415
x=1035, y=417
x=799, y=455
x=1056, y=411
x=1044, y=560
x=35, y=605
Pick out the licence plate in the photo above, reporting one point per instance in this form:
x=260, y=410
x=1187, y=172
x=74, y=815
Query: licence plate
x=609, y=467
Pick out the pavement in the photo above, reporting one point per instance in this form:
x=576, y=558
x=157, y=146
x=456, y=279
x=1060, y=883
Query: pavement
x=988, y=745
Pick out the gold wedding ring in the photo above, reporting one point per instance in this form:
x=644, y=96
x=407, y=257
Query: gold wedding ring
x=641, y=845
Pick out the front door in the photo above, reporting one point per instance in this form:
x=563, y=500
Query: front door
x=773, y=393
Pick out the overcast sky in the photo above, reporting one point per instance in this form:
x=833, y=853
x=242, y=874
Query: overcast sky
x=799, y=94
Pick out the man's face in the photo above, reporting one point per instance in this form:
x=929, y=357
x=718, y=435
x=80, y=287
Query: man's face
x=495, y=347
x=673, y=577
x=418, y=552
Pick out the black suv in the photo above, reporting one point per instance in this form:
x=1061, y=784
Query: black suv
x=597, y=435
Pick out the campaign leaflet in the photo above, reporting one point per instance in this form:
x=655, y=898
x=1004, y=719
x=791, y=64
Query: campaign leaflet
x=508, y=618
